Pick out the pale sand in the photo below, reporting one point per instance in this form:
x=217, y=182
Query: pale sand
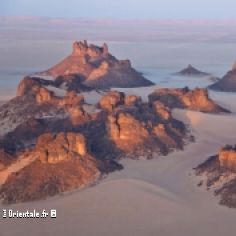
x=156, y=197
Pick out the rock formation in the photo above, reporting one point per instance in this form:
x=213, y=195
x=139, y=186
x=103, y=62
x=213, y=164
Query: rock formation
x=68, y=147
x=220, y=175
x=140, y=129
x=196, y=99
x=227, y=83
x=191, y=71
x=63, y=163
x=97, y=68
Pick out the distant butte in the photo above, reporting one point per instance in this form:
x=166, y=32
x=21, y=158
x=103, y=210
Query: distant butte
x=97, y=68
x=227, y=83
x=191, y=71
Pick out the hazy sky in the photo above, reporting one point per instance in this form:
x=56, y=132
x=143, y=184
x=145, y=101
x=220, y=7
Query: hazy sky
x=191, y=9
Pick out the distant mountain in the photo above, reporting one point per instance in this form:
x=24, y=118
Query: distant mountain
x=98, y=68
x=227, y=83
x=191, y=71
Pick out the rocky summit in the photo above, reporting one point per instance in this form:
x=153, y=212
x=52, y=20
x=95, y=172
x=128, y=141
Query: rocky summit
x=96, y=68
x=227, y=83
x=219, y=174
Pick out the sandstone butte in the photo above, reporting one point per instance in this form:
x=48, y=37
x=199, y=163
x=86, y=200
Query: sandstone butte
x=96, y=68
x=227, y=83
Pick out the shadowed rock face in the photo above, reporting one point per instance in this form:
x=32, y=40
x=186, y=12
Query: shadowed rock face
x=227, y=83
x=220, y=175
x=191, y=71
x=97, y=68
x=196, y=99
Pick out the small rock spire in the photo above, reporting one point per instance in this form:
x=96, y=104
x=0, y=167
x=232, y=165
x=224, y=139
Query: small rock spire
x=105, y=49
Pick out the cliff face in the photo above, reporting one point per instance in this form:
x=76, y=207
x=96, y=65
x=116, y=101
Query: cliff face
x=220, y=175
x=97, y=68
x=196, y=99
x=227, y=83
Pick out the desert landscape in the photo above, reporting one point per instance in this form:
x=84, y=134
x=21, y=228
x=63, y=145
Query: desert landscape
x=119, y=118
x=144, y=151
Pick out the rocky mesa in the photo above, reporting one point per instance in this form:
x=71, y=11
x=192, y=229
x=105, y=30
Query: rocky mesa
x=97, y=68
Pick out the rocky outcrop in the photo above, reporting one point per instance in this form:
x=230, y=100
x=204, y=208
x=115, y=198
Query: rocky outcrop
x=219, y=174
x=63, y=163
x=97, y=68
x=140, y=129
x=196, y=99
x=227, y=83
x=191, y=71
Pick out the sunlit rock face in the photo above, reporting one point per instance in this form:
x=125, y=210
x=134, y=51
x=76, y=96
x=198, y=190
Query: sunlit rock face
x=227, y=83
x=97, y=68
x=227, y=158
x=196, y=99
x=127, y=131
x=61, y=147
